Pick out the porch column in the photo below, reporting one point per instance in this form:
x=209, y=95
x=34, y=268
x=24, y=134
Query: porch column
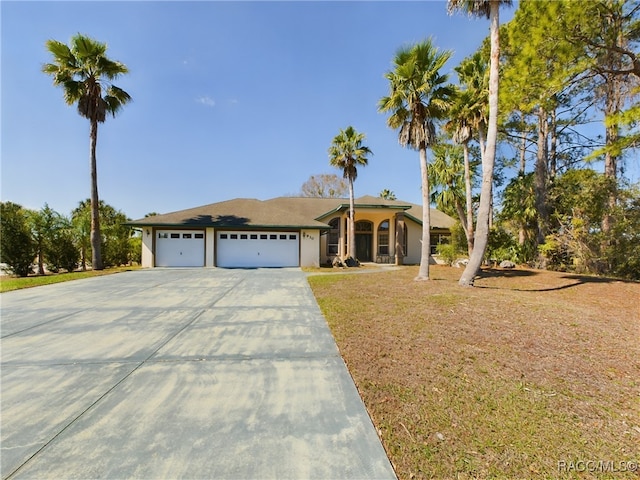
x=399, y=250
x=344, y=227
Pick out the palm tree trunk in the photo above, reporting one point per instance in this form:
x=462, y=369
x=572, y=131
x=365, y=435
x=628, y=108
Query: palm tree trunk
x=469, y=231
x=352, y=223
x=40, y=258
x=96, y=257
x=488, y=159
x=425, y=253
x=83, y=256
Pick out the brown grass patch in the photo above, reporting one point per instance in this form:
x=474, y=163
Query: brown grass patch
x=506, y=380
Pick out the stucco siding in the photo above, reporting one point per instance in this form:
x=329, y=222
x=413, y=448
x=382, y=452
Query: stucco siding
x=309, y=253
x=209, y=247
x=414, y=243
x=147, y=247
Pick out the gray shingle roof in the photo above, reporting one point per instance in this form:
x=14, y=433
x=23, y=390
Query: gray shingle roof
x=281, y=212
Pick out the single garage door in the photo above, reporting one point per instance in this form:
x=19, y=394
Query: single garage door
x=179, y=248
x=258, y=249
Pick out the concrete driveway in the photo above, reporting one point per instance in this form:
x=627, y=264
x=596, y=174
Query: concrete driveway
x=179, y=373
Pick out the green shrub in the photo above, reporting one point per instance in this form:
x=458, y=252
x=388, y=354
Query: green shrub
x=447, y=252
x=16, y=245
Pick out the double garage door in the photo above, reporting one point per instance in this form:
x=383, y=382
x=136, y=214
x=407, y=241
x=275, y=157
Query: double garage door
x=186, y=248
x=257, y=249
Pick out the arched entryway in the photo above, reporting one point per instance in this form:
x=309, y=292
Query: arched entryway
x=364, y=241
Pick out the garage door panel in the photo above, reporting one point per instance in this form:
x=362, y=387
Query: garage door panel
x=258, y=249
x=180, y=248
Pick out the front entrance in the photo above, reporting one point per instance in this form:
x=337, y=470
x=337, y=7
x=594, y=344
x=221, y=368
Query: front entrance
x=364, y=241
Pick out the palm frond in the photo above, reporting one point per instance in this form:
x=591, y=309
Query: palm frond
x=87, y=49
x=110, y=69
x=477, y=8
x=73, y=90
x=61, y=52
x=115, y=99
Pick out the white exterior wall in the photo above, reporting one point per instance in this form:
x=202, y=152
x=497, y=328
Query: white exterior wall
x=310, y=248
x=147, y=247
x=209, y=242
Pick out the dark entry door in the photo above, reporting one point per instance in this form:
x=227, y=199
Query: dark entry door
x=363, y=247
x=364, y=241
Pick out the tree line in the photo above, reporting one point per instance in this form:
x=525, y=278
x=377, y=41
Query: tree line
x=47, y=241
x=525, y=100
x=561, y=64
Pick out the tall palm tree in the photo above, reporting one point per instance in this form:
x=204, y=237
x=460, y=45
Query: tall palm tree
x=489, y=9
x=347, y=152
x=418, y=95
x=85, y=74
x=467, y=119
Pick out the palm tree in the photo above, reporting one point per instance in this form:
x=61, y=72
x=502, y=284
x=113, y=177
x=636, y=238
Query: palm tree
x=347, y=152
x=467, y=119
x=85, y=74
x=489, y=9
x=446, y=180
x=418, y=95
x=387, y=194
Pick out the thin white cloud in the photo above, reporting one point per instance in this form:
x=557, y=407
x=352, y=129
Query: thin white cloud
x=206, y=100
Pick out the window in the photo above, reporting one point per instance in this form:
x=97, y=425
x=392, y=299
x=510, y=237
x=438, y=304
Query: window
x=234, y=236
x=263, y=236
x=186, y=235
x=292, y=237
x=175, y=235
x=283, y=237
x=199, y=235
x=163, y=235
x=273, y=237
x=383, y=238
x=438, y=239
x=223, y=236
x=405, y=241
x=243, y=236
x=364, y=226
x=334, y=237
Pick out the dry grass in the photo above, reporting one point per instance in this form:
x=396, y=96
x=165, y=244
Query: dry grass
x=530, y=375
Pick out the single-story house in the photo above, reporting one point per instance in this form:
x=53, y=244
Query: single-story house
x=287, y=232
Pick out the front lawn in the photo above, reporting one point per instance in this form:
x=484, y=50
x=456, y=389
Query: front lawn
x=531, y=374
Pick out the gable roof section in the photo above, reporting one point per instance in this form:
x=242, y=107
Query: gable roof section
x=238, y=213
x=438, y=219
x=283, y=212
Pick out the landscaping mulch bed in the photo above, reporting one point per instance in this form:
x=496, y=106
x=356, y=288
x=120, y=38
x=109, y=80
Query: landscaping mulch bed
x=531, y=374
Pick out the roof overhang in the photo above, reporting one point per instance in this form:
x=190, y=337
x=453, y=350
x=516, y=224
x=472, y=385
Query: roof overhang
x=363, y=206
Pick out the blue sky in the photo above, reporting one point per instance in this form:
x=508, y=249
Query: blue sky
x=230, y=99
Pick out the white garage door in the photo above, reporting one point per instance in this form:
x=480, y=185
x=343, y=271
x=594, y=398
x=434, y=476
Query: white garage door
x=179, y=248
x=258, y=249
